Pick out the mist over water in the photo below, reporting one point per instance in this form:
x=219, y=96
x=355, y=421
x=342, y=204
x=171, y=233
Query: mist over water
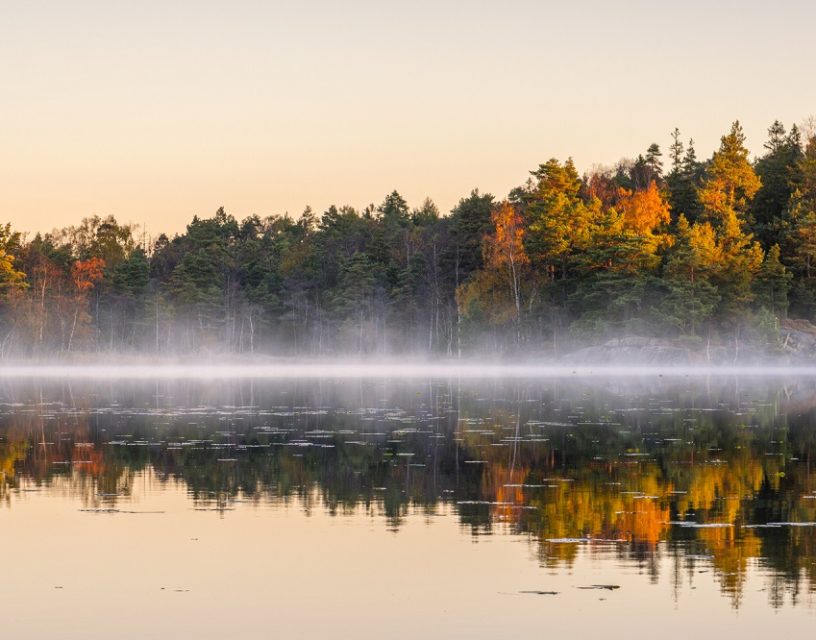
x=406, y=369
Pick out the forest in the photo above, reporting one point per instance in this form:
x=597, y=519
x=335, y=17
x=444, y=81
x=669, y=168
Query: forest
x=697, y=251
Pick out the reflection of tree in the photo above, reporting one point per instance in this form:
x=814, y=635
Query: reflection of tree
x=593, y=478
x=11, y=454
x=56, y=450
x=613, y=472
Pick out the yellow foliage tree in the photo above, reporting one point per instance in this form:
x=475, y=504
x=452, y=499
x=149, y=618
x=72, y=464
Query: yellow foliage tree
x=730, y=182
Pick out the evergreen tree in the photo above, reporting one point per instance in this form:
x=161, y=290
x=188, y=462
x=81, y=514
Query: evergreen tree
x=676, y=152
x=730, y=181
x=773, y=283
x=780, y=173
x=798, y=234
x=683, y=180
x=654, y=163
x=616, y=274
x=692, y=297
x=468, y=224
x=354, y=302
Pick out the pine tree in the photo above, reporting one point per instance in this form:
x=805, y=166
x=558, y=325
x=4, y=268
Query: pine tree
x=730, y=184
x=773, y=283
x=730, y=181
x=617, y=271
x=676, y=152
x=559, y=219
x=683, y=183
x=653, y=161
x=798, y=236
x=354, y=301
x=780, y=172
x=692, y=298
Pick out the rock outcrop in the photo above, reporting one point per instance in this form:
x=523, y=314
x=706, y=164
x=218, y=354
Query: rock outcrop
x=799, y=340
x=797, y=346
x=635, y=350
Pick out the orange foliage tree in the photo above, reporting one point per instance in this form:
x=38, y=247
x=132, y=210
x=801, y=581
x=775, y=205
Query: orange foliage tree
x=85, y=274
x=643, y=211
x=504, y=251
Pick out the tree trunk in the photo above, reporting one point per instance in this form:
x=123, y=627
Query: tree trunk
x=73, y=328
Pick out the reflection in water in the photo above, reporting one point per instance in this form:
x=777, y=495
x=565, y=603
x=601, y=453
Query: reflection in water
x=714, y=478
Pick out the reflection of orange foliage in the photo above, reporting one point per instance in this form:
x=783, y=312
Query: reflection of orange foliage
x=504, y=485
x=91, y=459
x=634, y=502
x=646, y=523
x=39, y=452
x=599, y=512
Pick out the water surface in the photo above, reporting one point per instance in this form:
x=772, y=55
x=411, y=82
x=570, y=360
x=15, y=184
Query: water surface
x=309, y=507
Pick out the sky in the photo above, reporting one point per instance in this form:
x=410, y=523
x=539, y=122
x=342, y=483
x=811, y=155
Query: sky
x=155, y=111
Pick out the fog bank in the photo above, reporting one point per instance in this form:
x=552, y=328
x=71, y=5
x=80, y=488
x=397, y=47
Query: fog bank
x=382, y=370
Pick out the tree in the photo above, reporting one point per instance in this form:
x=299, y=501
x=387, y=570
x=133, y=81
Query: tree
x=470, y=222
x=353, y=301
x=740, y=261
x=692, y=297
x=394, y=209
x=498, y=293
x=85, y=275
x=559, y=220
x=729, y=185
x=730, y=181
x=780, y=172
x=11, y=279
x=126, y=299
x=203, y=285
x=772, y=284
x=799, y=236
x=655, y=164
x=504, y=252
x=676, y=152
x=301, y=285
x=643, y=211
x=683, y=184
x=616, y=273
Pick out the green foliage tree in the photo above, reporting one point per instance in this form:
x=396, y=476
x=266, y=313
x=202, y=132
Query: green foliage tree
x=780, y=172
x=684, y=181
x=773, y=284
x=691, y=297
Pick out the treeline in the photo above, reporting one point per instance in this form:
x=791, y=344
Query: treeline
x=716, y=251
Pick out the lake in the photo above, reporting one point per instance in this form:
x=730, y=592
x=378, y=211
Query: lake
x=375, y=506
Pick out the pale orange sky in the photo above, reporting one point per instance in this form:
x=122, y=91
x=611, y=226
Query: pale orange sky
x=157, y=111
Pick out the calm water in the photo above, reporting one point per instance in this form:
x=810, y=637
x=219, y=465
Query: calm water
x=316, y=508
